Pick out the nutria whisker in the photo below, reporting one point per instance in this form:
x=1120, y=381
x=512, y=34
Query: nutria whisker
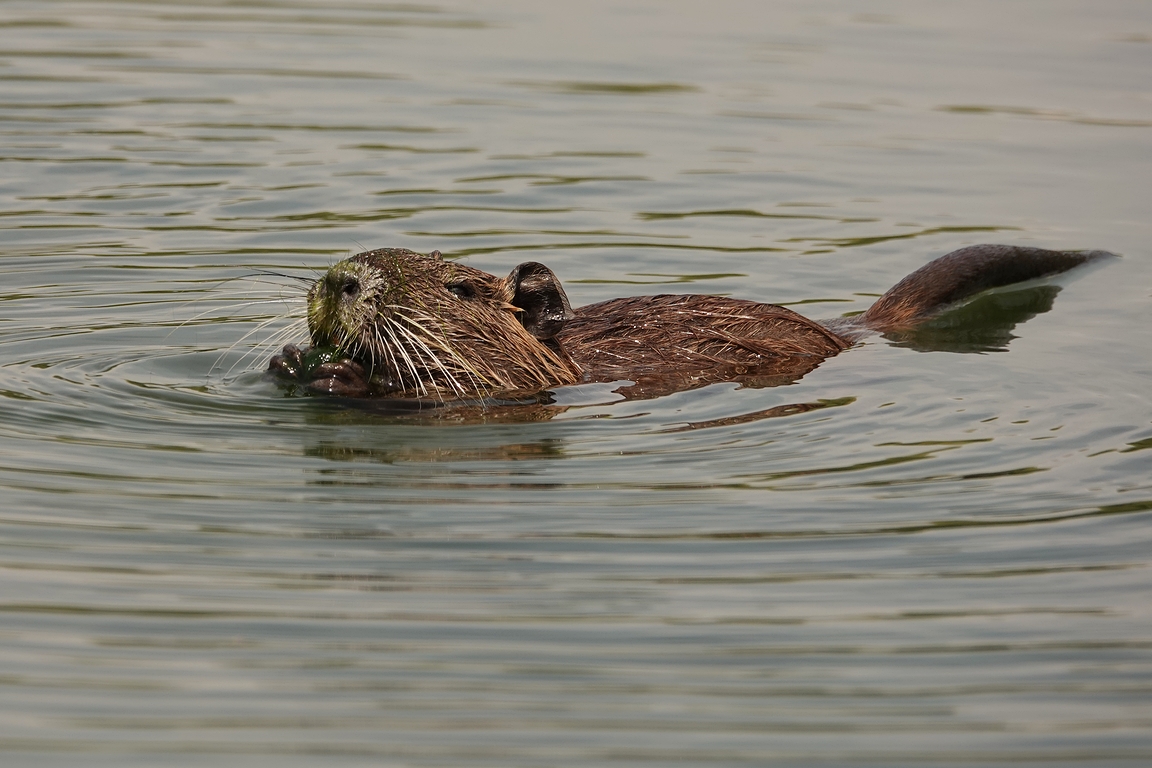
x=390, y=348
x=425, y=355
x=283, y=275
x=389, y=357
x=232, y=306
x=399, y=347
x=422, y=345
x=286, y=332
x=395, y=350
x=291, y=330
x=440, y=341
x=423, y=360
x=419, y=346
x=258, y=296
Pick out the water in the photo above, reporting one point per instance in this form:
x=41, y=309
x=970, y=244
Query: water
x=921, y=558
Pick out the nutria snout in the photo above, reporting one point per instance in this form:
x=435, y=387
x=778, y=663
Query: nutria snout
x=395, y=323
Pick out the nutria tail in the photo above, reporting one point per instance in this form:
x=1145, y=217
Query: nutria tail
x=962, y=274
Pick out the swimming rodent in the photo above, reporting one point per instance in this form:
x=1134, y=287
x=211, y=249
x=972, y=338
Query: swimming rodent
x=395, y=323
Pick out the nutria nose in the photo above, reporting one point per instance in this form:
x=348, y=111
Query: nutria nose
x=343, y=285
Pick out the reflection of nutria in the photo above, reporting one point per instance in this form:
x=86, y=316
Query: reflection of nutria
x=395, y=323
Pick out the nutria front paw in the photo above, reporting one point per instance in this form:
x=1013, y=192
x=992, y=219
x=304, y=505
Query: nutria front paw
x=289, y=364
x=321, y=370
x=344, y=378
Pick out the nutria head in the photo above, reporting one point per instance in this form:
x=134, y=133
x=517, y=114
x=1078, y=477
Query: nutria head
x=420, y=325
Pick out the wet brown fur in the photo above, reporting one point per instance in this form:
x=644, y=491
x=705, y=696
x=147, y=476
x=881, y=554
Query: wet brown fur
x=418, y=326
x=668, y=343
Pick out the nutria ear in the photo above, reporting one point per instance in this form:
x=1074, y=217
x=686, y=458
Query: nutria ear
x=537, y=291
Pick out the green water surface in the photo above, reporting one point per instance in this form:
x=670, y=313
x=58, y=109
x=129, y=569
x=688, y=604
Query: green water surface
x=928, y=552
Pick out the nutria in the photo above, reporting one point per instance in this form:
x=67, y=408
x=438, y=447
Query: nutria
x=395, y=323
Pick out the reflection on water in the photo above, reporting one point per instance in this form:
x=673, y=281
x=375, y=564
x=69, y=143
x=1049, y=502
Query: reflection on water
x=929, y=559
x=982, y=325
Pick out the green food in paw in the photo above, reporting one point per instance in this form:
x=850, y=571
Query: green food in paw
x=317, y=356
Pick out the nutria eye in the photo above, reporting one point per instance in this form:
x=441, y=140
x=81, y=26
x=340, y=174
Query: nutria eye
x=461, y=290
x=350, y=288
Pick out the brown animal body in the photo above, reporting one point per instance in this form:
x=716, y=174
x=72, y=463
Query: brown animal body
x=394, y=323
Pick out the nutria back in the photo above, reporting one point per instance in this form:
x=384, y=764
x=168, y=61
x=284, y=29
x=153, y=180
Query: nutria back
x=675, y=342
